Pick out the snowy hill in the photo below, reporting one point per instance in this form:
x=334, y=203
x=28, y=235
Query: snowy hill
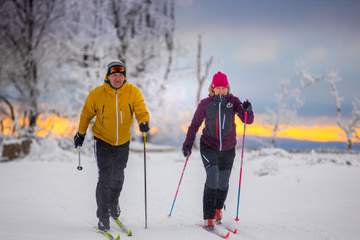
x=284, y=196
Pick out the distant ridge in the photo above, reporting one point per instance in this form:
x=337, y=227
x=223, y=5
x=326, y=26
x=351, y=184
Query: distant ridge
x=295, y=145
x=259, y=142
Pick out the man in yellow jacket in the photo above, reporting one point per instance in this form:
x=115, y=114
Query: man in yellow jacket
x=114, y=104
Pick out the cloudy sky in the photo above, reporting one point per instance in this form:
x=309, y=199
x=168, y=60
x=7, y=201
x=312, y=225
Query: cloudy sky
x=260, y=43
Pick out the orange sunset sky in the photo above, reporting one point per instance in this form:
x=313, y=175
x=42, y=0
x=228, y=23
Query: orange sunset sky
x=316, y=129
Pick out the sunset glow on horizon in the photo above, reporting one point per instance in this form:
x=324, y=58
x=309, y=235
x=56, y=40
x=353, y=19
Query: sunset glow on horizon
x=318, y=133
x=58, y=126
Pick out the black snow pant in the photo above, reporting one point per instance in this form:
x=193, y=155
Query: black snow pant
x=111, y=161
x=218, y=165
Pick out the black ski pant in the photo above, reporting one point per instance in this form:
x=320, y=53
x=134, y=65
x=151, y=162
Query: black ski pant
x=111, y=161
x=218, y=165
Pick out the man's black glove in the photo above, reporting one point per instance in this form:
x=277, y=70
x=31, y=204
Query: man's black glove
x=186, y=149
x=247, y=106
x=78, y=139
x=144, y=127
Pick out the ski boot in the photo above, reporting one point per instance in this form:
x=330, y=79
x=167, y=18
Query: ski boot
x=209, y=224
x=218, y=215
x=115, y=211
x=104, y=224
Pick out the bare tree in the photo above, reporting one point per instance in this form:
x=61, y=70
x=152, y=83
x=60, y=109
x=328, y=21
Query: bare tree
x=201, y=76
x=24, y=25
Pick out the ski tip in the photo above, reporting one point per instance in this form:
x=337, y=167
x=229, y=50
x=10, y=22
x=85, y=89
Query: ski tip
x=227, y=235
x=232, y=230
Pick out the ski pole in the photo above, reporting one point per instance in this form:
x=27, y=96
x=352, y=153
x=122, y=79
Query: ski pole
x=79, y=167
x=241, y=169
x=144, y=140
x=177, y=190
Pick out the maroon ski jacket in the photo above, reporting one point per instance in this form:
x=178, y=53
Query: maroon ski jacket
x=219, y=114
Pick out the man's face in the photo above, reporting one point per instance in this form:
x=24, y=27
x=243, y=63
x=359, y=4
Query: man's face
x=116, y=79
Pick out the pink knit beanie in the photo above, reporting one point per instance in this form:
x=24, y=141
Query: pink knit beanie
x=219, y=80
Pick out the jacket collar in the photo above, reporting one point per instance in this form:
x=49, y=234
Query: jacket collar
x=112, y=90
x=217, y=98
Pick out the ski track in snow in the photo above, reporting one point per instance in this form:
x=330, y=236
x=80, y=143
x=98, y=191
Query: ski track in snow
x=283, y=196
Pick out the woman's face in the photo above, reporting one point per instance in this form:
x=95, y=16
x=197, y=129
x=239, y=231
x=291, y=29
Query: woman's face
x=221, y=91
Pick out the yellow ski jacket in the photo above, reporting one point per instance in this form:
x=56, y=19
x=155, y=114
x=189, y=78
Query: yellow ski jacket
x=114, y=110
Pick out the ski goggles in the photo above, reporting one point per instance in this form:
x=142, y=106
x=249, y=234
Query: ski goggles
x=117, y=69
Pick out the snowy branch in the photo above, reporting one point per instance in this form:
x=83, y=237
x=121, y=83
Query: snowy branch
x=307, y=79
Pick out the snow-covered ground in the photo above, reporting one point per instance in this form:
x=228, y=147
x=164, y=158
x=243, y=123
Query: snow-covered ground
x=284, y=196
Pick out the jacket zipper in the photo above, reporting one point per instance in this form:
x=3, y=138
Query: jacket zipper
x=223, y=125
x=117, y=119
x=220, y=140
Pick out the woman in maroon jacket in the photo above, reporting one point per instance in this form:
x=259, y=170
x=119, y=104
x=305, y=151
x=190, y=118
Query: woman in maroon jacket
x=217, y=142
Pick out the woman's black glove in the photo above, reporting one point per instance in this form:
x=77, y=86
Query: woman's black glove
x=247, y=106
x=186, y=149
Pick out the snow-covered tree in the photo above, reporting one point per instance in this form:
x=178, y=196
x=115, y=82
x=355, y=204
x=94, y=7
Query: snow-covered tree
x=143, y=29
x=53, y=52
x=6, y=107
x=347, y=125
x=81, y=51
x=288, y=101
x=169, y=12
x=83, y=29
x=25, y=29
x=95, y=32
x=200, y=75
x=98, y=31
